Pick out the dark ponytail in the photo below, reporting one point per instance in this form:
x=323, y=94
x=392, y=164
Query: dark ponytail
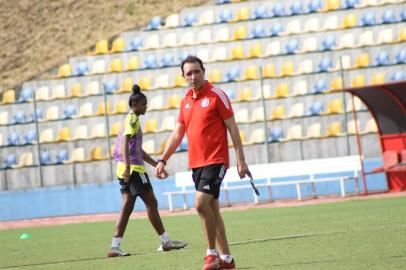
x=136, y=95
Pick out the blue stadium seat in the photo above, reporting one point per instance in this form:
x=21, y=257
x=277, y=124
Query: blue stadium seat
x=190, y=19
x=292, y=47
x=328, y=43
x=81, y=69
x=260, y=12
x=258, y=31
x=351, y=3
x=398, y=76
x=388, y=16
x=296, y=8
x=155, y=23
x=382, y=59
x=39, y=114
x=278, y=10
x=220, y=2
x=401, y=57
x=230, y=94
x=233, y=74
x=368, y=19
x=403, y=15
x=61, y=156
x=150, y=61
x=183, y=146
x=10, y=160
x=110, y=86
x=69, y=112
x=183, y=55
x=325, y=65
x=13, y=139
x=275, y=135
x=314, y=6
x=276, y=29
x=30, y=137
x=167, y=60
x=19, y=118
x=319, y=87
x=316, y=108
x=225, y=16
x=25, y=95
x=45, y=158
x=135, y=44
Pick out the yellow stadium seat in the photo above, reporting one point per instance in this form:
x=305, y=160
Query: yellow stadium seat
x=64, y=134
x=81, y=133
x=78, y=155
x=215, y=76
x=282, y=90
x=116, y=65
x=76, y=90
x=243, y=137
x=332, y=5
x=278, y=112
x=46, y=135
x=288, y=69
x=85, y=110
x=121, y=107
x=133, y=63
x=349, y=21
x=251, y=73
x=150, y=126
x=98, y=131
x=268, y=71
x=243, y=14
x=118, y=45
x=127, y=85
x=9, y=96
x=102, y=47
x=115, y=129
x=294, y=132
x=402, y=34
x=65, y=70
x=358, y=81
x=101, y=110
x=245, y=94
x=93, y=88
x=42, y=93
x=336, y=84
x=240, y=33
x=52, y=113
x=378, y=78
x=237, y=52
x=255, y=50
x=96, y=154
x=145, y=83
x=180, y=81
x=173, y=101
x=352, y=128
x=362, y=60
x=334, y=129
x=335, y=106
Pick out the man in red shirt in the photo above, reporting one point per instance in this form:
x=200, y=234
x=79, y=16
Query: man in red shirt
x=205, y=116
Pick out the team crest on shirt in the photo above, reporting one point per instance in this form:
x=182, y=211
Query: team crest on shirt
x=205, y=102
x=187, y=106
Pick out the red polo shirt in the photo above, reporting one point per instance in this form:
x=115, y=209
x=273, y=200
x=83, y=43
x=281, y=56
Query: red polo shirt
x=203, y=118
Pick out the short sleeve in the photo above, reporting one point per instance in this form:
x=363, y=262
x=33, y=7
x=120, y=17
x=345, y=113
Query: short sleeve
x=223, y=104
x=131, y=124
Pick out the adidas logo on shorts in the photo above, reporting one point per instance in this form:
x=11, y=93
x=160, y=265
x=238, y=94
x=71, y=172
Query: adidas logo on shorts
x=206, y=187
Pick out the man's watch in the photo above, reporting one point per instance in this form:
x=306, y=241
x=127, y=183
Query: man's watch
x=161, y=160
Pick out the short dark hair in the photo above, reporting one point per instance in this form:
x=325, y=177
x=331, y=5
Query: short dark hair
x=136, y=96
x=191, y=59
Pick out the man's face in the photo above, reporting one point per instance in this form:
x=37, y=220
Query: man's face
x=193, y=74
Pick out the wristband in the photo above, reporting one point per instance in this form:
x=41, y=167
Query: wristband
x=161, y=160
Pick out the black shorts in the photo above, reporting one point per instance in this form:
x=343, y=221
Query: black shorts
x=137, y=184
x=208, y=179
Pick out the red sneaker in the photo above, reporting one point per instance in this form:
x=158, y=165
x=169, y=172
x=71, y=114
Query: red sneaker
x=226, y=265
x=211, y=262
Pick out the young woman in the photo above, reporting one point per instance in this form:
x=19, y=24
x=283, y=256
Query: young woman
x=133, y=178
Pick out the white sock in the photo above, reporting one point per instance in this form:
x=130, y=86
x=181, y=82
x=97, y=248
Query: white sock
x=227, y=258
x=164, y=237
x=211, y=252
x=115, y=242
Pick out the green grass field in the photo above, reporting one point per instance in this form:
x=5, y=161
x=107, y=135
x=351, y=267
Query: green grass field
x=359, y=234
